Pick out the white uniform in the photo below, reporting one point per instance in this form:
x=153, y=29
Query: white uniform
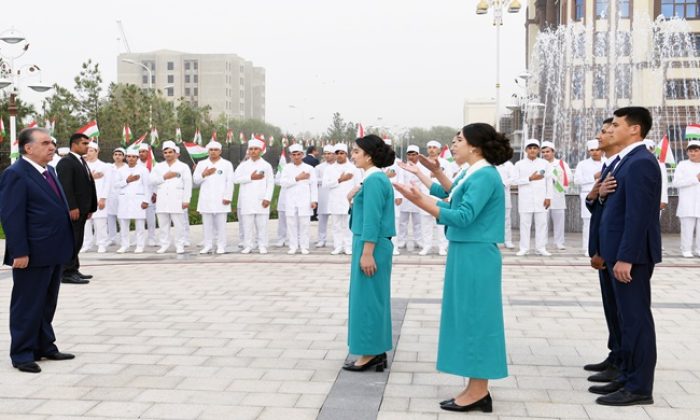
x=428, y=222
x=150, y=214
x=96, y=226
x=408, y=210
x=686, y=181
x=113, y=206
x=338, y=204
x=560, y=176
x=322, y=210
x=172, y=193
x=299, y=196
x=131, y=196
x=506, y=171
x=396, y=176
x=531, y=196
x=584, y=177
x=250, y=199
x=213, y=190
x=281, y=211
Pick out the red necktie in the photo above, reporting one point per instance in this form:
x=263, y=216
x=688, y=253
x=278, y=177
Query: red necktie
x=52, y=183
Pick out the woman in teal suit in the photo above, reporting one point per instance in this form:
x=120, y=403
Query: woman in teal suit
x=372, y=226
x=472, y=338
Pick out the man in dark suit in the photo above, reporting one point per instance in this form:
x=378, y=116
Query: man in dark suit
x=34, y=215
x=608, y=369
x=630, y=245
x=311, y=157
x=79, y=186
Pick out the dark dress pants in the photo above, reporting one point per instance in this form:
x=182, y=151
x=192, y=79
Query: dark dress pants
x=638, y=344
x=611, y=318
x=32, y=307
x=78, y=233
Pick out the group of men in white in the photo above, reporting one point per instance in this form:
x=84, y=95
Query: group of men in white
x=129, y=192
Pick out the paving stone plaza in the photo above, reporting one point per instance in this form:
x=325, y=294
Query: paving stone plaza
x=264, y=337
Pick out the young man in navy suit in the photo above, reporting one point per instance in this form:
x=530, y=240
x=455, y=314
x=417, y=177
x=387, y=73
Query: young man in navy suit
x=630, y=245
x=39, y=240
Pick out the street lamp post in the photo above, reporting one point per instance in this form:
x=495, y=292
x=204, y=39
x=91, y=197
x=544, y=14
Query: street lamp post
x=19, y=43
x=497, y=6
x=150, y=87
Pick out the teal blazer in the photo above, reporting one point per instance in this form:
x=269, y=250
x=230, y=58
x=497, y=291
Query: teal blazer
x=476, y=212
x=372, y=213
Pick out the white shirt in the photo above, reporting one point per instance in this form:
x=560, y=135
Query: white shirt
x=173, y=192
x=338, y=191
x=322, y=191
x=686, y=181
x=557, y=178
x=253, y=192
x=36, y=166
x=299, y=194
x=214, y=188
x=584, y=175
x=132, y=194
x=505, y=170
x=410, y=179
x=531, y=194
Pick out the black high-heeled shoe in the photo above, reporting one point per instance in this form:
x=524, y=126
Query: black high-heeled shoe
x=485, y=404
x=378, y=362
x=447, y=401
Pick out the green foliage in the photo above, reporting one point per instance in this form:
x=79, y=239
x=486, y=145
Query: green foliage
x=421, y=136
x=88, y=88
x=63, y=106
x=340, y=131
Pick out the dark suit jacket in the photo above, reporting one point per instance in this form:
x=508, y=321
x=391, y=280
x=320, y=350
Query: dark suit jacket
x=77, y=184
x=629, y=223
x=310, y=160
x=35, y=219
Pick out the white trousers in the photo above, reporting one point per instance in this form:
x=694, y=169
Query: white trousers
x=214, y=229
x=322, y=227
x=688, y=225
x=585, y=232
x=540, y=230
x=342, y=237
x=254, y=226
x=428, y=227
x=403, y=228
x=95, y=233
x=557, y=217
x=112, y=229
x=240, y=225
x=186, y=225
x=151, y=221
x=140, y=232
x=397, y=223
x=164, y=221
x=281, y=226
x=508, y=234
x=298, y=230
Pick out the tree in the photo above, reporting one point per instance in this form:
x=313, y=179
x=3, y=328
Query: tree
x=340, y=131
x=88, y=87
x=62, y=107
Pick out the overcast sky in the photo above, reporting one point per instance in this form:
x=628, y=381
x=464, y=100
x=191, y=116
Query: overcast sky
x=410, y=62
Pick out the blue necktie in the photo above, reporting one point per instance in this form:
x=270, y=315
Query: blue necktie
x=609, y=169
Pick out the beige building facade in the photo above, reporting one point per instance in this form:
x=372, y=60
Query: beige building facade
x=230, y=85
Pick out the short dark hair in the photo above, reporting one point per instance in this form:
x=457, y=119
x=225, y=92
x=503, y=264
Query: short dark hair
x=381, y=153
x=26, y=137
x=310, y=149
x=76, y=137
x=495, y=146
x=607, y=121
x=636, y=115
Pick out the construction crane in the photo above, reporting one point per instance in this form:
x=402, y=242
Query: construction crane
x=123, y=36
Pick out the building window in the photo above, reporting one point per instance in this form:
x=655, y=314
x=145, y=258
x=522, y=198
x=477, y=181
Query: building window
x=171, y=65
x=170, y=91
x=688, y=9
x=623, y=8
x=187, y=91
x=623, y=44
x=580, y=45
x=153, y=79
x=579, y=10
x=144, y=79
x=196, y=92
x=696, y=39
x=171, y=78
x=682, y=89
x=600, y=44
x=600, y=82
x=602, y=8
x=578, y=84
x=187, y=65
x=623, y=81
x=196, y=78
x=195, y=64
x=187, y=78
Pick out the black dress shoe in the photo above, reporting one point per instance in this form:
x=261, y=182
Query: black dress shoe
x=58, y=356
x=485, y=404
x=30, y=367
x=608, y=375
x=84, y=276
x=447, y=401
x=598, y=367
x=623, y=397
x=378, y=362
x=74, y=279
x=606, y=389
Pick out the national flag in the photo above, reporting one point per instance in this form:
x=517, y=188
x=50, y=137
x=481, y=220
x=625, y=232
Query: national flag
x=154, y=137
x=3, y=133
x=213, y=136
x=229, y=136
x=562, y=165
x=178, y=135
x=446, y=154
x=52, y=129
x=284, y=142
x=283, y=161
x=241, y=137
x=197, y=137
x=692, y=132
x=360, y=131
x=196, y=151
x=262, y=139
x=270, y=141
x=126, y=134
x=664, y=151
x=32, y=124
x=137, y=144
x=90, y=129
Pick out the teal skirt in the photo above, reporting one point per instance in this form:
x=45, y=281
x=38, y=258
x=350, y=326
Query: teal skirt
x=369, y=318
x=472, y=338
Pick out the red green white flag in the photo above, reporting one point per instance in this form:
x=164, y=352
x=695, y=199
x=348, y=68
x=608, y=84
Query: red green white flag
x=32, y=124
x=446, y=154
x=3, y=133
x=282, y=162
x=692, y=132
x=197, y=137
x=664, y=151
x=213, y=136
x=178, y=135
x=360, y=131
x=154, y=137
x=90, y=129
x=229, y=136
x=126, y=134
x=196, y=151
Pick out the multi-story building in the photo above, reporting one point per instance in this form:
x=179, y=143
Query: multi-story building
x=227, y=83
